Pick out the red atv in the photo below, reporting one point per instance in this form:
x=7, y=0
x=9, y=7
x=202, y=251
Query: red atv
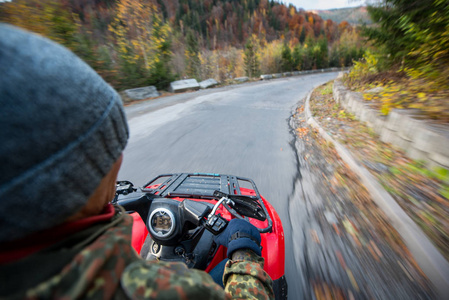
x=177, y=215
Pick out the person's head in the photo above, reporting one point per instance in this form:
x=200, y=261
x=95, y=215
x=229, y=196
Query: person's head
x=62, y=134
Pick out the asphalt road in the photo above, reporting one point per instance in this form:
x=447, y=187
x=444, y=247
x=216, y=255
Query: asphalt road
x=242, y=130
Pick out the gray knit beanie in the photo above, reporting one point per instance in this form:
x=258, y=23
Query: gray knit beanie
x=61, y=129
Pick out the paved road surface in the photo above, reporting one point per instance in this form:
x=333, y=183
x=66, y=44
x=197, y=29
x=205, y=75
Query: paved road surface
x=242, y=130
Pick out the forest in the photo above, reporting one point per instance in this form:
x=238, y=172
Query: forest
x=133, y=43
x=408, y=57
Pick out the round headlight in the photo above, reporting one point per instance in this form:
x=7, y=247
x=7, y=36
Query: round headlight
x=162, y=223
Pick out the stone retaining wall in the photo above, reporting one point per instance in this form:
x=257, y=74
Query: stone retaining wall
x=420, y=139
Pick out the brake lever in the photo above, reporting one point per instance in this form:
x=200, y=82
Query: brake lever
x=244, y=205
x=223, y=199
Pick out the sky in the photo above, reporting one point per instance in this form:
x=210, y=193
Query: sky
x=323, y=4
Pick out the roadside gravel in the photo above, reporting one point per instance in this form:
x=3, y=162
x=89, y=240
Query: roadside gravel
x=349, y=249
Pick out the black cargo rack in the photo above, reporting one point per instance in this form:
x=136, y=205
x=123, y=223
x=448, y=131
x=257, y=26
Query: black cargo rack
x=203, y=186
x=198, y=185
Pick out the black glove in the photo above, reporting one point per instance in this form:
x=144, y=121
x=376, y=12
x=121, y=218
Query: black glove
x=240, y=234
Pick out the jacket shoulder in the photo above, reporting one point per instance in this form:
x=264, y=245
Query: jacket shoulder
x=168, y=280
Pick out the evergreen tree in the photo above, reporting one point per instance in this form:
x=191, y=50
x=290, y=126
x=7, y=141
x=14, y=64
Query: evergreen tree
x=160, y=71
x=302, y=36
x=48, y=18
x=413, y=33
x=143, y=44
x=297, y=57
x=286, y=58
x=252, y=67
x=63, y=28
x=389, y=33
x=308, y=58
x=192, y=56
x=321, y=53
x=334, y=57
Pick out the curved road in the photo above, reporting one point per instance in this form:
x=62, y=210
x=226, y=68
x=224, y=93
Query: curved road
x=242, y=130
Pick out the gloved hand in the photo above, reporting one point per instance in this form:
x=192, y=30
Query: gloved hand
x=239, y=234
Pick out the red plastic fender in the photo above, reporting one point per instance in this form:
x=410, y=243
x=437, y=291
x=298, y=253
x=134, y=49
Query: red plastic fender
x=274, y=250
x=139, y=232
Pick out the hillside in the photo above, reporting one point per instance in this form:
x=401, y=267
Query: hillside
x=220, y=23
x=135, y=43
x=223, y=23
x=353, y=15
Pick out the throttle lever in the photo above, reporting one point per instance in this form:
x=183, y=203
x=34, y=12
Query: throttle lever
x=216, y=223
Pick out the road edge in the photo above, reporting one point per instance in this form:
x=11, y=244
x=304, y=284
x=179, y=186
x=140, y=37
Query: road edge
x=429, y=259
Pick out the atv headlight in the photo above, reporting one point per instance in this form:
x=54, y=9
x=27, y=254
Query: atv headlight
x=162, y=223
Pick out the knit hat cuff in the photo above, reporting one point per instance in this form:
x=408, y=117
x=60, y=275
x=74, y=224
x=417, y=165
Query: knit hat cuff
x=73, y=173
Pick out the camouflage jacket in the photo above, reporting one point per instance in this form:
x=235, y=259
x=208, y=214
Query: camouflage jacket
x=100, y=263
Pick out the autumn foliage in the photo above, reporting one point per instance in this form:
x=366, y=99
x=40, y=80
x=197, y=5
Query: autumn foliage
x=141, y=42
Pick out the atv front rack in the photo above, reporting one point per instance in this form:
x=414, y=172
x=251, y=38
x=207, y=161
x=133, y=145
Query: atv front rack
x=203, y=186
x=197, y=185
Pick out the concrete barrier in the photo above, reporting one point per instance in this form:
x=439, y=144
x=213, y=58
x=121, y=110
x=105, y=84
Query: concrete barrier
x=265, y=77
x=184, y=85
x=208, y=83
x=142, y=93
x=241, y=79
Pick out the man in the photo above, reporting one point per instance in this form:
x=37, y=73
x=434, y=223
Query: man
x=62, y=133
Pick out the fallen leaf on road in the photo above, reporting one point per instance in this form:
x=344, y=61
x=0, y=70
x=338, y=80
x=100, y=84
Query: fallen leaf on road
x=314, y=236
x=340, y=259
x=352, y=279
